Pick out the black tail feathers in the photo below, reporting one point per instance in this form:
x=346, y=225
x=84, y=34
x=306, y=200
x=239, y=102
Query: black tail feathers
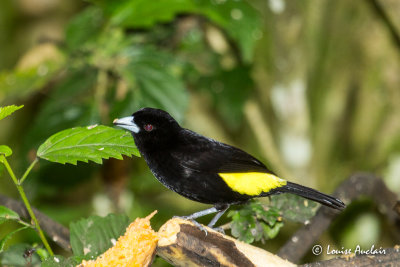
x=312, y=194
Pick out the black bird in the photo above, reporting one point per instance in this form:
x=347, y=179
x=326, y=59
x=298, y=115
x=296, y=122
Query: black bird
x=206, y=170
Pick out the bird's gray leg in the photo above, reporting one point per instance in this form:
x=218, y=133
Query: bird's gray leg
x=200, y=213
x=217, y=216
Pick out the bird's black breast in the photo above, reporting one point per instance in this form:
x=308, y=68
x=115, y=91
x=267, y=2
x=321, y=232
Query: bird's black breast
x=190, y=163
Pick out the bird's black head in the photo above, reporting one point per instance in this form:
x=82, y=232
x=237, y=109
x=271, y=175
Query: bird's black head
x=150, y=127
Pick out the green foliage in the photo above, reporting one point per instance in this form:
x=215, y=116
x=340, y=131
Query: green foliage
x=5, y=151
x=5, y=112
x=8, y=110
x=230, y=90
x=83, y=30
x=141, y=13
x=73, y=106
x=7, y=214
x=152, y=74
x=4, y=240
x=254, y=222
x=89, y=238
x=240, y=20
x=153, y=77
x=14, y=256
x=60, y=261
x=87, y=143
x=23, y=82
x=92, y=236
x=294, y=208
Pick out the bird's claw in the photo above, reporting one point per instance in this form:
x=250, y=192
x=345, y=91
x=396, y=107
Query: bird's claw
x=200, y=226
x=219, y=230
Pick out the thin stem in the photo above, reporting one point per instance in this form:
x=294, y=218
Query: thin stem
x=28, y=171
x=35, y=220
x=8, y=167
x=25, y=223
x=26, y=202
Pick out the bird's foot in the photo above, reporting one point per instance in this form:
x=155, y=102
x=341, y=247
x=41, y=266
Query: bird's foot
x=219, y=229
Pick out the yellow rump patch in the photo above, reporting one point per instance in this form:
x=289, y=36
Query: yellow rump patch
x=252, y=183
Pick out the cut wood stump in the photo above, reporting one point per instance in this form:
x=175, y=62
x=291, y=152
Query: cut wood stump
x=182, y=243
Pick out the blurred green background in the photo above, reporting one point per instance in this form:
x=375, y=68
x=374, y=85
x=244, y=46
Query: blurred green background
x=309, y=87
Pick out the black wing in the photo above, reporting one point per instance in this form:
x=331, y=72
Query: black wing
x=201, y=154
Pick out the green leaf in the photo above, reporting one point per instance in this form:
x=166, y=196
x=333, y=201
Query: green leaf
x=70, y=103
x=14, y=256
x=230, y=90
x=23, y=82
x=294, y=208
x=92, y=236
x=4, y=240
x=271, y=232
x=153, y=77
x=142, y=13
x=60, y=261
x=87, y=143
x=7, y=214
x=43, y=253
x=8, y=110
x=5, y=150
x=240, y=226
x=253, y=222
x=83, y=29
x=240, y=20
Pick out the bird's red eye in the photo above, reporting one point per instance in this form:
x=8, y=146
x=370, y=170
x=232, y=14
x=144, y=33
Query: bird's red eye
x=148, y=127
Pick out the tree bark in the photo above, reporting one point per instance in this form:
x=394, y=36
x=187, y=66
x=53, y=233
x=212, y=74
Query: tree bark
x=182, y=243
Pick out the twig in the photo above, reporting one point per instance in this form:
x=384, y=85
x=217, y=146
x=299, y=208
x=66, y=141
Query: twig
x=357, y=185
x=28, y=171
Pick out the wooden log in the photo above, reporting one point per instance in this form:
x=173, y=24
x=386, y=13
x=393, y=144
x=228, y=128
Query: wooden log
x=183, y=244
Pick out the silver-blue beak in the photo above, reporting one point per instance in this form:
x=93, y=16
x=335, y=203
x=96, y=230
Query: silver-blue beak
x=127, y=123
